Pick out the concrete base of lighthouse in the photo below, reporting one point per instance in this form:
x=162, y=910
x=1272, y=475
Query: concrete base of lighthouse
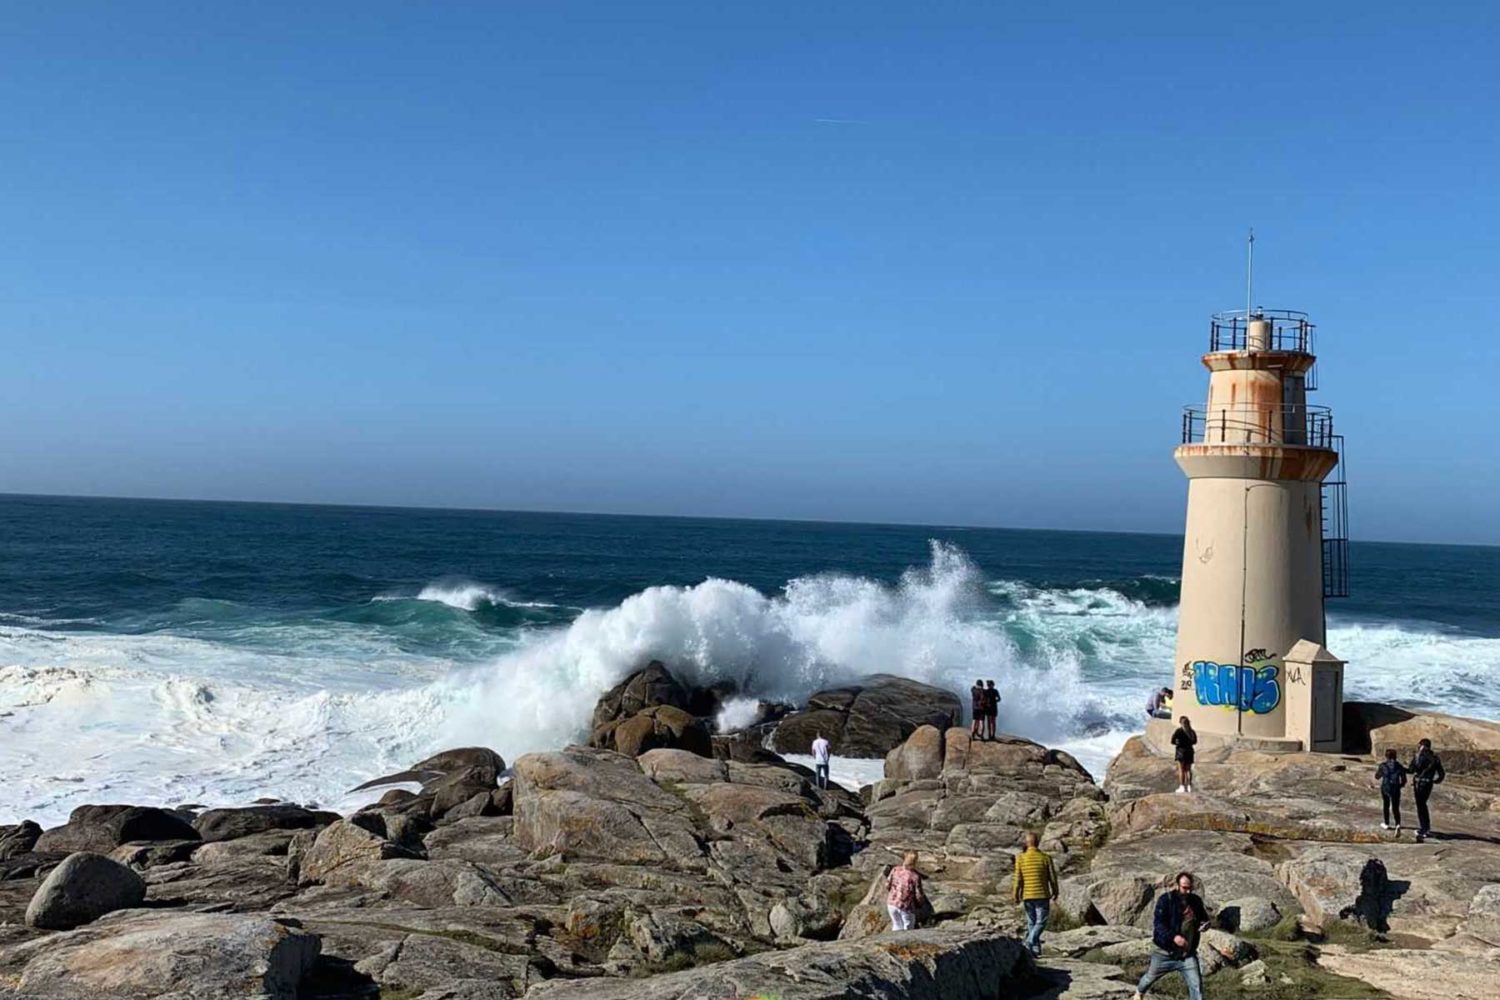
x=1313, y=703
x=1251, y=589
x=1159, y=741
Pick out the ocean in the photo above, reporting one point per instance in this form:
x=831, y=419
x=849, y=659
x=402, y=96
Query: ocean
x=211, y=653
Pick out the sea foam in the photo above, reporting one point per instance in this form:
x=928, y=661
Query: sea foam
x=307, y=711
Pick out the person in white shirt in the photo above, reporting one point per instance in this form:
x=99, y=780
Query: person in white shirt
x=820, y=760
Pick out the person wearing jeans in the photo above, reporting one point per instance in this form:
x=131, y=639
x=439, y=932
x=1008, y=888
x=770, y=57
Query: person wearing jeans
x=821, y=752
x=1179, y=918
x=1390, y=776
x=1035, y=888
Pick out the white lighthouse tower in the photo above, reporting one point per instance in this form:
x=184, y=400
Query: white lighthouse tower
x=1264, y=544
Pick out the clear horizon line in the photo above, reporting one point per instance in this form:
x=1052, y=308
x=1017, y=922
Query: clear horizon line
x=679, y=517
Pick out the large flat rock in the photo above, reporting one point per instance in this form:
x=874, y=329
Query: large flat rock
x=149, y=953
x=1408, y=974
x=913, y=965
x=1288, y=796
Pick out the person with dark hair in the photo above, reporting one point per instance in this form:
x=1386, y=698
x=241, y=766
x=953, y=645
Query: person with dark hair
x=992, y=709
x=978, y=700
x=1159, y=705
x=1426, y=771
x=1179, y=918
x=1390, y=776
x=1183, y=741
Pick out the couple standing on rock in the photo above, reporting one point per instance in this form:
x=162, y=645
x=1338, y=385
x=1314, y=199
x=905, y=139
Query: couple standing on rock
x=1426, y=771
x=986, y=709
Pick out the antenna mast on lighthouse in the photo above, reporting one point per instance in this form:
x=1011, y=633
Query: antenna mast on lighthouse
x=1250, y=275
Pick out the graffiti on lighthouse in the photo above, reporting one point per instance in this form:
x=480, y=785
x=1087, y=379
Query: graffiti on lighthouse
x=1254, y=686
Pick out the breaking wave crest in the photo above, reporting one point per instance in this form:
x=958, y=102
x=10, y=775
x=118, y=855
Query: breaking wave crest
x=936, y=624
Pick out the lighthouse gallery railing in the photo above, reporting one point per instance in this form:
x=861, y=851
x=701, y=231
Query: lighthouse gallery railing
x=1258, y=423
x=1286, y=330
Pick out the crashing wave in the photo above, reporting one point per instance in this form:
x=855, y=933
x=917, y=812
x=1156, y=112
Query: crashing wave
x=309, y=708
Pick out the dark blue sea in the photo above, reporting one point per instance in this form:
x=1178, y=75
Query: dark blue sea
x=166, y=651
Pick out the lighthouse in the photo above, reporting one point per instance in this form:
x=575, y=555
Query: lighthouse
x=1264, y=544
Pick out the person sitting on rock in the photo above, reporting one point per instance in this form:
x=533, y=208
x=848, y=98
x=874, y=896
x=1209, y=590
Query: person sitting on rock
x=1035, y=889
x=1183, y=740
x=978, y=700
x=1426, y=771
x=1159, y=705
x=821, y=756
x=1179, y=918
x=991, y=709
x=904, y=893
x=1390, y=776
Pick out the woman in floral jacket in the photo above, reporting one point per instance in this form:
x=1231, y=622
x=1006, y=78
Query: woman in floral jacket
x=904, y=893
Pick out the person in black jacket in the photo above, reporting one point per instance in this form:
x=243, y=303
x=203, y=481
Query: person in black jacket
x=978, y=701
x=1179, y=918
x=991, y=709
x=1390, y=775
x=1426, y=770
x=1183, y=741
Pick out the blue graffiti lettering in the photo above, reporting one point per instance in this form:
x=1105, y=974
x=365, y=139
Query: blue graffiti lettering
x=1250, y=689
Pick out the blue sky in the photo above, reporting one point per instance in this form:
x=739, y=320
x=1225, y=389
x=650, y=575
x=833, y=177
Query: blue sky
x=941, y=262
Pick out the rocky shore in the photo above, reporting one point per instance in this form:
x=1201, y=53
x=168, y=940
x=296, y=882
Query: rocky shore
x=663, y=860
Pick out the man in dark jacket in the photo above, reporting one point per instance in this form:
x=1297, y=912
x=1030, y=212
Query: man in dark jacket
x=1426, y=770
x=1180, y=916
x=991, y=709
x=979, y=700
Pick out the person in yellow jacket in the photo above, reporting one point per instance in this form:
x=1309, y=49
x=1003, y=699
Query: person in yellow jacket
x=1035, y=889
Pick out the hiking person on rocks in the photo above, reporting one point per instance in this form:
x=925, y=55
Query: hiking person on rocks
x=1390, y=776
x=1426, y=771
x=904, y=893
x=991, y=709
x=1183, y=741
x=821, y=756
x=1179, y=918
x=978, y=702
x=1035, y=889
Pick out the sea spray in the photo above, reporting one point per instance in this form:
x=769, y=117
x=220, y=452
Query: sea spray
x=824, y=630
x=207, y=700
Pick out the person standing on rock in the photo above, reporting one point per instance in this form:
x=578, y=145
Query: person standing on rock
x=991, y=709
x=1390, y=775
x=978, y=702
x=821, y=757
x=1035, y=889
x=1183, y=741
x=904, y=893
x=1426, y=770
x=1179, y=918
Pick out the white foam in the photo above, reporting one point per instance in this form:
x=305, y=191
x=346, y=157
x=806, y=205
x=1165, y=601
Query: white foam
x=822, y=631
x=852, y=773
x=736, y=714
x=467, y=596
x=306, y=712
x=464, y=596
